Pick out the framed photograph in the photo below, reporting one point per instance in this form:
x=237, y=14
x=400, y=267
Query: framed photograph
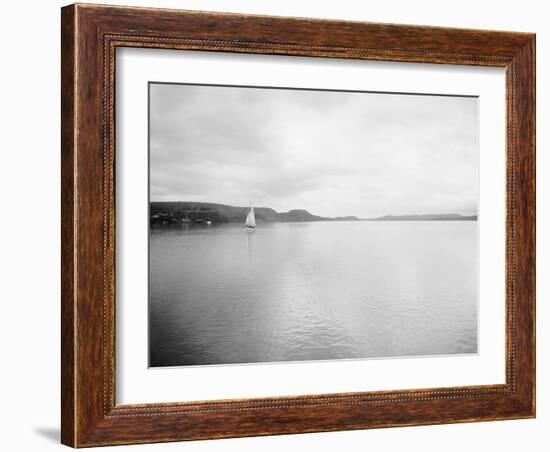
x=280, y=225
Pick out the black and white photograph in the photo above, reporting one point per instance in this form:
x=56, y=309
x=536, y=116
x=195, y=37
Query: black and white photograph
x=271, y=226
x=290, y=225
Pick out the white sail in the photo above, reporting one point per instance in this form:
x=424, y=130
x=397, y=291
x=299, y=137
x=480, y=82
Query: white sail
x=250, y=219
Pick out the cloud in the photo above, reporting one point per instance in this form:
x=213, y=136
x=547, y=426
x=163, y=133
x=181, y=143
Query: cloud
x=332, y=153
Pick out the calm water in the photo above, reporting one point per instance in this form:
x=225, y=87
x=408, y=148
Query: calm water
x=310, y=291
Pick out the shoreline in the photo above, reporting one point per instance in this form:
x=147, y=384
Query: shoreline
x=204, y=226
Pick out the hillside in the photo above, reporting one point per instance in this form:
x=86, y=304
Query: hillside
x=222, y=213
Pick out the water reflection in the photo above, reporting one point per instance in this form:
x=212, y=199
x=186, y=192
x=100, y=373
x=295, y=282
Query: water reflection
x=308, y=291
x=250, y=239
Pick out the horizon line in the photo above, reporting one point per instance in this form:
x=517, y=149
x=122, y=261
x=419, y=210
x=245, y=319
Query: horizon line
x=475, y=214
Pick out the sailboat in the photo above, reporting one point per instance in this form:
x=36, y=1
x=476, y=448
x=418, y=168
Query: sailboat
x=250, y=223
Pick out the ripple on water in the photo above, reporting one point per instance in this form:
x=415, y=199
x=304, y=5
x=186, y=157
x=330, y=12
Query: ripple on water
x=312, y=291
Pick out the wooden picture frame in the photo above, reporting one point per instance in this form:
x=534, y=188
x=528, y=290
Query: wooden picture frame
x=90, y=35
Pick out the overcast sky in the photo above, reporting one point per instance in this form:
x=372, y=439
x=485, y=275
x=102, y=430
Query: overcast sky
x=331, y=153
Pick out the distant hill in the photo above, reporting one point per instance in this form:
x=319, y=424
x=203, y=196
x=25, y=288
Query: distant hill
x=298, y=215
x=222, y=213
x=426, y=217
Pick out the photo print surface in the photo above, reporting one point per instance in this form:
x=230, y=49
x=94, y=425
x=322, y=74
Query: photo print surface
x=299, y=225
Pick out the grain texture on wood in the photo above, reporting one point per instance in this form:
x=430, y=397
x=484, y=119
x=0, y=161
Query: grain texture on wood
x=68, y=244
x=90, y=36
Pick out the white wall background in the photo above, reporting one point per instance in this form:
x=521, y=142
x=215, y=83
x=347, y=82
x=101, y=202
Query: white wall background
x=29, y=235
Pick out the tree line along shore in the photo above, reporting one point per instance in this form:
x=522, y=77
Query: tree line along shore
x=182, y=212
